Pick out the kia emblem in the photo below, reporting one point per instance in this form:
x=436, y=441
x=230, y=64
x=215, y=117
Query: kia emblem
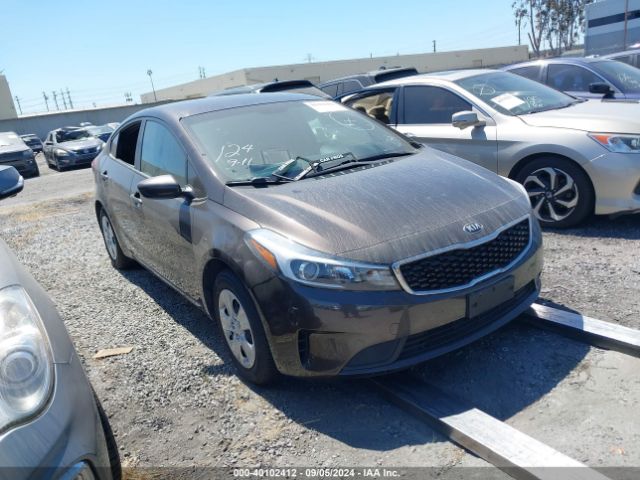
x=473, y=227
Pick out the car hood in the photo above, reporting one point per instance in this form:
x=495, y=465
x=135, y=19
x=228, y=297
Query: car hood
x=389, y=211
x=13, y=273
x=17, y=149
x=591, y=116
x=80, y=144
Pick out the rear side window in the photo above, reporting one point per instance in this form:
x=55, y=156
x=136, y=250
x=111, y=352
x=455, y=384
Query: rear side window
x=570, y=78
x=331, y=90
x=161, y=153
x=377, y=105
x=350, y=86
x=532, y=73
x=431, y=105
x=125, y=143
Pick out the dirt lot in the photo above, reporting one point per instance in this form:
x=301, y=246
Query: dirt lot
x=173, y=401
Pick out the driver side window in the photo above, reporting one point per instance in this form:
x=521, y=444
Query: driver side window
x=431, y=105
x=161, y=154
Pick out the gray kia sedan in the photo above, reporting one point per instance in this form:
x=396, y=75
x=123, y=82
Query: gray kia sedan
x=575, y=157
x=321, y=242
x=51, y=424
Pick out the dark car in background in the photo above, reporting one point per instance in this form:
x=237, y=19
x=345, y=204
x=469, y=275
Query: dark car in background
x=320, y=241
x=103, y=132
x=584, y=77
x=345, y=85
x=70, y=147
x=33, y=142
x=16, y=153
x=298, y=86
x=630, y=57
x=51, y=422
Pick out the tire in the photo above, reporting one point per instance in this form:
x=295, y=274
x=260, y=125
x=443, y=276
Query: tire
x=118, y=259
x=560, y=191
x=37, y=172
x=112, y=445
x=245, y=339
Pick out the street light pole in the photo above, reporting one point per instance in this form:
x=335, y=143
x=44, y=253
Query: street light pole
x=155, y=98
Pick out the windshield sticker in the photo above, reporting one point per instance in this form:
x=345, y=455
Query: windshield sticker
x=326, y=106
x=508, y=101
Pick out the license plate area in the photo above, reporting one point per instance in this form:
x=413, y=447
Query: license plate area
x=490, y=297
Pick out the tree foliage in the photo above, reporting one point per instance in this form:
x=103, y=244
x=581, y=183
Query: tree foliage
x=556, y=22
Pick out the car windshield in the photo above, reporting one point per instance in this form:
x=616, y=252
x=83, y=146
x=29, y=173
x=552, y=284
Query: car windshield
x=99, y=130
x=512, y=94
x=255, y=142
x=71, y=135
x=9, y=138
x=623, y=76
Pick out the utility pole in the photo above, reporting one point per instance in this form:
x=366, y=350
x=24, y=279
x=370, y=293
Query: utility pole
x=69, y=98
x=149, y=72
x=55, y=99
x=64, y=101
x=46, y=100
x=201, y=73
x=18, y=102
x=309, y=57
x=434, y=46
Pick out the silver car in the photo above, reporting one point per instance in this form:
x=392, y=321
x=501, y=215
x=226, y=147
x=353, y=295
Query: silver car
x=51, y=424
x=575, y=157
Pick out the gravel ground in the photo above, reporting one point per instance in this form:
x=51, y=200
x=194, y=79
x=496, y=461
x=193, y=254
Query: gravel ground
x=173, y=401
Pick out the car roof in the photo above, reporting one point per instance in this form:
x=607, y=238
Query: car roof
x=186, y=108
x=566, y=60
x=634, y=51
x=449, y=75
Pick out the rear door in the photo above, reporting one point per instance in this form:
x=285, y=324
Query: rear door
x=116, y=172
x=163, y=226
x=425, y=114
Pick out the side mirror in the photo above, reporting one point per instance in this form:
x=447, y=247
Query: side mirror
x=600, y=88
x=163, y=187
x=466, y=119
x=11, y=182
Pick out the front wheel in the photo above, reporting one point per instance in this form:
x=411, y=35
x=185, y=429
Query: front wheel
x=245, y=339
x=560, y=192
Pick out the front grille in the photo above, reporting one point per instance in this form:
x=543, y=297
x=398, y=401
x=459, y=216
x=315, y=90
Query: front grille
x=460, y=267
x=438, y=337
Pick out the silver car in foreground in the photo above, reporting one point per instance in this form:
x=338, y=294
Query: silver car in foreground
x=51, y=424
x=575, y=157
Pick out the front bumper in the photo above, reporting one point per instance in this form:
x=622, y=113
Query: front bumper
x=322, y=332
x=26, y=168
x=77, y=160
x=616, y=181
x=67, y=433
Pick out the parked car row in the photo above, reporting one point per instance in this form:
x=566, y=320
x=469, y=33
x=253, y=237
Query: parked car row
x=51, y=422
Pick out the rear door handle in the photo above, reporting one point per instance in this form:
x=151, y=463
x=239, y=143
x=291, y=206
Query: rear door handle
x=137, y=199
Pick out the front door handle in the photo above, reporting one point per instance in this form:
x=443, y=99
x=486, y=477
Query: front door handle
x=104, y=176
x=137, y=199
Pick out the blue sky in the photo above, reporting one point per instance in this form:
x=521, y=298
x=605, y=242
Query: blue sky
x=99, y=50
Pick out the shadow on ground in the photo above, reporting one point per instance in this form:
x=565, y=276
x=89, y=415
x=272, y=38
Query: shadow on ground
x=624, y=226
x=501, y=374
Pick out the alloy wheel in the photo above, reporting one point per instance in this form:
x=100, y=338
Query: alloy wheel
x=236, y=328
x=109, y=237
x=553, y=193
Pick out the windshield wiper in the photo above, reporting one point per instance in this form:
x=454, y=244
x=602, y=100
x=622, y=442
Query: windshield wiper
x=555, y=108
x=258, y=181
x=349, y=163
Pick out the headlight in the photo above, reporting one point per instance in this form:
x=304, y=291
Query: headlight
x=318, y=269
x=58, y=152
x=26, y=365
x=27, y=154
x=618, y=142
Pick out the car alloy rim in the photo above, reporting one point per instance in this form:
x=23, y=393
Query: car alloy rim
x=109, y=237
x=553, y=193
x=236, y=328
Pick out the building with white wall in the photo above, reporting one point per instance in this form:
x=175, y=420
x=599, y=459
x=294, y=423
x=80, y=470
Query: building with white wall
x=318, y=72
x=607, y=30
x=7, y=108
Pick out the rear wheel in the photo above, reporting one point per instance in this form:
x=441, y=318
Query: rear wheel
x=242, y=329
x=560, y=192
x=118, y=259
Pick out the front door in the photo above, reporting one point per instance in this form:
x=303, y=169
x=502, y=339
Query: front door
x=163, y=226
x=426, y=116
